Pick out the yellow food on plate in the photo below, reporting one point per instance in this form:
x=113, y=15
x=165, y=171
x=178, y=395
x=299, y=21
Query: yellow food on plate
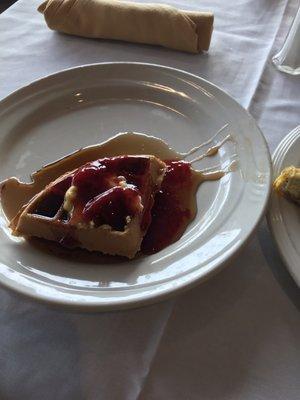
x=287, y=184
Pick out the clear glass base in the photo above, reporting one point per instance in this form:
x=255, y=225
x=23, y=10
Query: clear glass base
x=285, y=68
x=288, y=58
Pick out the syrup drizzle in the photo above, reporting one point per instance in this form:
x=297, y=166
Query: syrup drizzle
x=175, y=204
x=211, y=151
x=212, y=174
x=200, y=146
x=218, y=171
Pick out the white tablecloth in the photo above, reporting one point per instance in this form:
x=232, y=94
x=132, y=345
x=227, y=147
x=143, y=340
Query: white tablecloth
x=236, y=336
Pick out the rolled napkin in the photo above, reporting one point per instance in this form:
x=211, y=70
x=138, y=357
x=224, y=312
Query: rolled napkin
x=157, y=24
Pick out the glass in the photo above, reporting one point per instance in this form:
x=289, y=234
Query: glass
x=288, y=58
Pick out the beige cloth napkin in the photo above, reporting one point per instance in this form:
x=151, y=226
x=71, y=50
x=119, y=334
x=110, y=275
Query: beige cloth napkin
x=133, y=22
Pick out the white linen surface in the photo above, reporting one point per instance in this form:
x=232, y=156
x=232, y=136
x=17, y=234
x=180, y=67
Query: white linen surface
x=236, y=336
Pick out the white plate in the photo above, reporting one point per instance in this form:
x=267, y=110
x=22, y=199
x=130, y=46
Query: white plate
x=283, y=216
x=85, y=105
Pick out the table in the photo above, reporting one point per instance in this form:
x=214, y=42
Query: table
x=234, y=337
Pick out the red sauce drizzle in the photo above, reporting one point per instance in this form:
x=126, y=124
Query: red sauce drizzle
x=170, y=212
x=101, y=200
x=112, y=207
x=98, y=201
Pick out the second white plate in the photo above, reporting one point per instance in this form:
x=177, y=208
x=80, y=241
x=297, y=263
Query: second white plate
x=284, y=217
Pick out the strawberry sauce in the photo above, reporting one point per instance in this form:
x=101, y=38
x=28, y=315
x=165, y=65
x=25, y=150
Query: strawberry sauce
x=100, y=198
x=170, y=213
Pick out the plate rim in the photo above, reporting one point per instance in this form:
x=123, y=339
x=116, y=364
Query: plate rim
x=277, y=228
x=151, y=298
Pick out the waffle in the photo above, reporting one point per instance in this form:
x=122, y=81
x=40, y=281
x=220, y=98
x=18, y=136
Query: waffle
x=109, y=212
